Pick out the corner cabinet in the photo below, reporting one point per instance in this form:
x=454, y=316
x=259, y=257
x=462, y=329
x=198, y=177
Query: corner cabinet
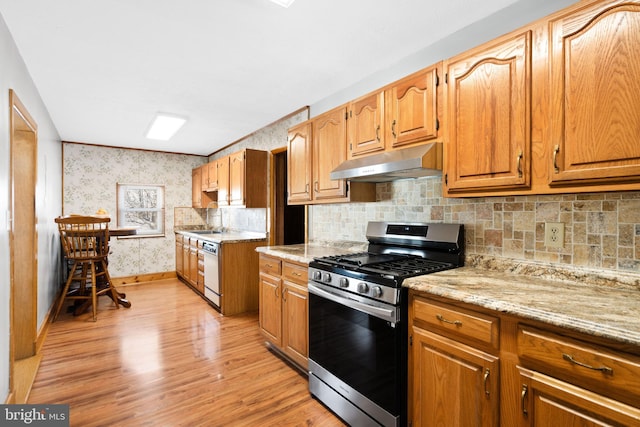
x=284, y=307
x=489, y=116
x=315, y=148
x=595, y=108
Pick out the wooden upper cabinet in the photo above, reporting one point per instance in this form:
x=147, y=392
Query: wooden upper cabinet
x=212, y=169
x=366, y=124
x=223, y=181
x=236, y=178
x=595, y=87
x=299, y=163
x=489, y=116
x=412, y=108
x=329, y=150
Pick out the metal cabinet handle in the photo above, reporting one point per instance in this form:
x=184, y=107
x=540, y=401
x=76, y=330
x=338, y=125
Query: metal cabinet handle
x=603, y=369
x=519, y=164
x=284, y=294
x=316, y=187
x=378, y=133
x=393, y=129
x=485, y=379
x=451, y=322
x=523, y=398
x=556, y=150
x=306, y=188
x=276, y=292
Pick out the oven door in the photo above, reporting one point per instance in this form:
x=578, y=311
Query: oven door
x=356, y=351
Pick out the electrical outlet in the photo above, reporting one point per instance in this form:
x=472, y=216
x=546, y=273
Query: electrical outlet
x=554, y=234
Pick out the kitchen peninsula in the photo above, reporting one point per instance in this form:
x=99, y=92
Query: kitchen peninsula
x=231, y=270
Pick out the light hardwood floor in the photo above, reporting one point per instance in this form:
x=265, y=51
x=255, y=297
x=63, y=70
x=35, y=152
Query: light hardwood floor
x=170, y=360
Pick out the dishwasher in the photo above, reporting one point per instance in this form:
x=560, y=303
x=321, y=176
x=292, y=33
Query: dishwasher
x=211, y=272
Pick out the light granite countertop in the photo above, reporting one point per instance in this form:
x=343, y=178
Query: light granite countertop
x=304, y=253
x=594, y=302
x=583, y=301
x=226, y=236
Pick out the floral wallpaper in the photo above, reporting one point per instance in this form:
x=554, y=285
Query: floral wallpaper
x=90, y=175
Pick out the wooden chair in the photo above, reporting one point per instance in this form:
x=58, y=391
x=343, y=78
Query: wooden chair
x=85, y=242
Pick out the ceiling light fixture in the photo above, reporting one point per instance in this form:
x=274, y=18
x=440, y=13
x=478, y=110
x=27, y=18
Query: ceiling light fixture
x=164, y=126
x=283, y=3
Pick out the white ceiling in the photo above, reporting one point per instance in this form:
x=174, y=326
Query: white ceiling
x=105, y=67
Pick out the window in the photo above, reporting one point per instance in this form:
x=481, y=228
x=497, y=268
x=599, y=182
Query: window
x=141, y=206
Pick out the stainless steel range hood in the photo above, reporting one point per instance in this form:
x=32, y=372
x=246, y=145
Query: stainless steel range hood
x=414, y=162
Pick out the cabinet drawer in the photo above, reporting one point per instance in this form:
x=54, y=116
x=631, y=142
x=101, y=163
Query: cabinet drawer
x=179, y=238
x=295, y=273
x=270, y=265
x=593, y=367
x=458, y=321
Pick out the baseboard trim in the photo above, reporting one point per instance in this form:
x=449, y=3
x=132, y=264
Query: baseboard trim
x=139, y=278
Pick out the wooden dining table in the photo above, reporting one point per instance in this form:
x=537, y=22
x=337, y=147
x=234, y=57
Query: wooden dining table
x=121, y=232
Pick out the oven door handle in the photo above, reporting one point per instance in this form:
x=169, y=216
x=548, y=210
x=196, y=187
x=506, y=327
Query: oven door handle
x=390, y=315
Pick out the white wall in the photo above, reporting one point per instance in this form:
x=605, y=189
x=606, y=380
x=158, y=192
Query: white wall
x=508, y=19
x=14, y=75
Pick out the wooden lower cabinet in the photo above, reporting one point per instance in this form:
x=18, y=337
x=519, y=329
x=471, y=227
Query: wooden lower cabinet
x=237, y=267
x=547, y=401
x=451, y=383
x=284, y=309
x=530, y=374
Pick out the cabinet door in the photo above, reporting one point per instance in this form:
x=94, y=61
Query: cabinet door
x=489, y=111
x=270, y=308
x=236, y=179
x=329, y=150
x=546, y=401
x=299, y=163
x=366, y=124
x=223, y=181
x=185, y=259
x=452, y=384
x=193, y=265
x=295, y=315
x=212, y=170
x=413, y=109
x=196, y=188
x=179, y=263
x=595, y=114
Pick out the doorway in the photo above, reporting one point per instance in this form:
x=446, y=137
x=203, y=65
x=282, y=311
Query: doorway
x=288, y=222
x=23, y=240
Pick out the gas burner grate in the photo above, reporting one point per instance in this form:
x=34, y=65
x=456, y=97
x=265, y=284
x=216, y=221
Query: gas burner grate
x=407, y=267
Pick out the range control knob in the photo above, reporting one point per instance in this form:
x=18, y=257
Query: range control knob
x=344, y=282
x=317, y=276
x=326, y=277
x=363, y=288
x=376, y=291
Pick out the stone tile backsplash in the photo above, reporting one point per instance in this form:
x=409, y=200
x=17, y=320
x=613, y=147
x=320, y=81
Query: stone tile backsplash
x=602, y=230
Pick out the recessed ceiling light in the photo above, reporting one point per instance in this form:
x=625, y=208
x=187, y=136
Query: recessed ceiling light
x=164, y=126
x=283, y=3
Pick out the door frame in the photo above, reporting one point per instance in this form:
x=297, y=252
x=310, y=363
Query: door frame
x=273, y=192
x=23, y=235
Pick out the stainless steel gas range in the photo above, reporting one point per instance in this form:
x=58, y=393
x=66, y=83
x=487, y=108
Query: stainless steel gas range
x=358, y=318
